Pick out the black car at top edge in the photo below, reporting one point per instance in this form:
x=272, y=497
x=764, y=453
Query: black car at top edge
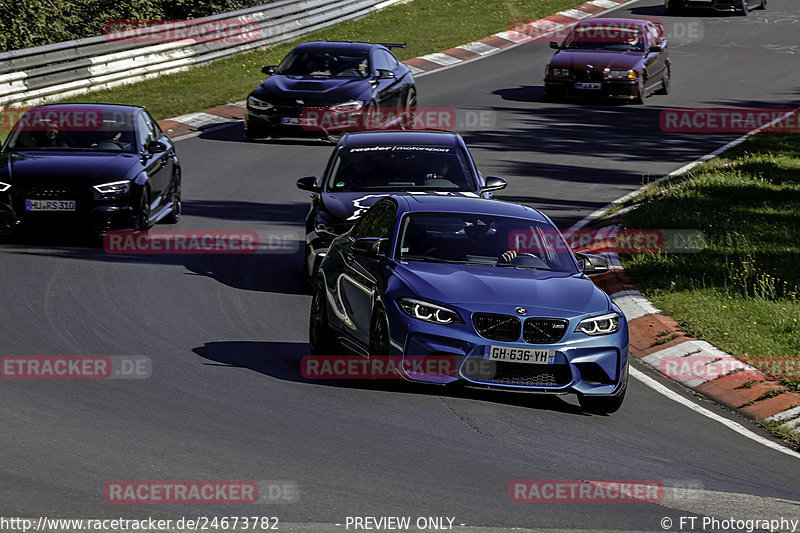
x=97, y=167
x=367, y=166
x=348, y=78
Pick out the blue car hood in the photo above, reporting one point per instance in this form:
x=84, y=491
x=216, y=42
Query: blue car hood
x=479, y=286
x=70, y=167
x=312, y=91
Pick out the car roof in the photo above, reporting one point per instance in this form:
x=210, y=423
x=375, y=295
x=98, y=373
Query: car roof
x=337, y=45
x=126, y=110
x=402, y=138
x=466, y=204
x=610, y=21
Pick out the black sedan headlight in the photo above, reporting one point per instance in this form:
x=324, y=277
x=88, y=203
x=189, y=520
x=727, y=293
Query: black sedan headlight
x=259, y=105
x=599, y=325
x=113, y=188
x=4, y=186
x=429, y=312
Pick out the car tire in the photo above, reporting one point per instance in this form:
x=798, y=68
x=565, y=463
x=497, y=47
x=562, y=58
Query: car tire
x=410, y=108
x=142, y=220
x=369, y=116
x=254, y=134
x=379, y=334
x=641, y=93
x=549, y=97
x=745, y=8
x=665, y=82
x=319, y=332
x=602, y=405
x=175, y=215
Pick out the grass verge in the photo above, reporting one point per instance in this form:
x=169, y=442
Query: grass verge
x=426, y=25
x=742, y=292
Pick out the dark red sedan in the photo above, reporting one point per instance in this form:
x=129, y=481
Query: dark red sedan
x=610, y=58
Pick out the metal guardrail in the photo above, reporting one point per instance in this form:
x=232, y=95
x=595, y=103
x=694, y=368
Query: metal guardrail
x=35, y=75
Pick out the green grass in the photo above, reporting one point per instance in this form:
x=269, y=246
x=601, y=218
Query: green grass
x=426, y=25
x=742, y=292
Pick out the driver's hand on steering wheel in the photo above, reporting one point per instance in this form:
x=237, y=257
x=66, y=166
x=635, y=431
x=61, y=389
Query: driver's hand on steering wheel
x=508, y=256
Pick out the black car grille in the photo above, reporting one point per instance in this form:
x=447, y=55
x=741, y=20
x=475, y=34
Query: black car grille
x=47, y=192
x=544, y=330
x=289, y=110
x=497, y=327
x=589, y=75
x=525, y=374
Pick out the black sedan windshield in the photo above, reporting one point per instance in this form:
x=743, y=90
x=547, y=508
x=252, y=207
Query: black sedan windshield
x=490, y=240
x=73, y=129
x=325, y=64
x=400, y=168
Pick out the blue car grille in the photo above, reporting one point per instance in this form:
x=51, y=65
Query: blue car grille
x=497, y=327
x=526, y=374
x=544, y=330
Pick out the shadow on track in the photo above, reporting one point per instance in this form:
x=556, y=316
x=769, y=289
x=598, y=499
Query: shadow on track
x=284, y=360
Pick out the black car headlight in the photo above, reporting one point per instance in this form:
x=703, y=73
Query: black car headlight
x=4, y=186
x=259, y=105
x=114, y=188
x=599, y=325
x=429, y=312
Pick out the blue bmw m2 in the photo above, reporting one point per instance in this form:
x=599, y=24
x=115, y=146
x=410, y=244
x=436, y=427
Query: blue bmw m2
x=491, y=285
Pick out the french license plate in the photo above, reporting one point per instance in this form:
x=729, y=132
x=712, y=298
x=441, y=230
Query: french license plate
x=49, y=205
x=521, y=355
x=298, y=121
x=588, y=85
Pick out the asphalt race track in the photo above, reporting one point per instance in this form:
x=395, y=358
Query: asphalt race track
x=226, y=333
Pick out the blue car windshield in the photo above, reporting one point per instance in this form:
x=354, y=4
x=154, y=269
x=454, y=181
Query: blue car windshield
x=400, y=168
x=72, y=129
x=325, y=64
x=491, y=240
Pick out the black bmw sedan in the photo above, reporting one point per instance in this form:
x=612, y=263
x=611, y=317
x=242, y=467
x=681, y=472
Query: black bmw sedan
x=344, y=79
x=94, y=167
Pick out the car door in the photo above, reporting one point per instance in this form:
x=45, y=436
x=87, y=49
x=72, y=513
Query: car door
x=358, y=282
x=168, y=159
x=388, y=89
x=655, y=61
x=155, y=163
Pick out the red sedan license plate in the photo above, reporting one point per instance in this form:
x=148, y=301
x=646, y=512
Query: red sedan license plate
x=588, y=85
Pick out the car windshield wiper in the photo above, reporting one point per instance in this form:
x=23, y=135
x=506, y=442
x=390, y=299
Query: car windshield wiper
x=509, y=265
x=428, y=259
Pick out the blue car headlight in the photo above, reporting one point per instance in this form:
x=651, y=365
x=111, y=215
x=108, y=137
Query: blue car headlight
x=345, y=107
x=429, y=312
x=4, y=186
x=259, y=105
x=114, y=188
x=599, y=325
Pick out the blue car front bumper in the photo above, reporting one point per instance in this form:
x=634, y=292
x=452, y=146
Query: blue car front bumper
x=578, y=363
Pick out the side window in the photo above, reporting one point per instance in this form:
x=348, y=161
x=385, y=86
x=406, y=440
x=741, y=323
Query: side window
x=378, y=222
x=155, y=130
x=142, y=131
x=390, y=59
x=652, y=35
x=381, y=61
